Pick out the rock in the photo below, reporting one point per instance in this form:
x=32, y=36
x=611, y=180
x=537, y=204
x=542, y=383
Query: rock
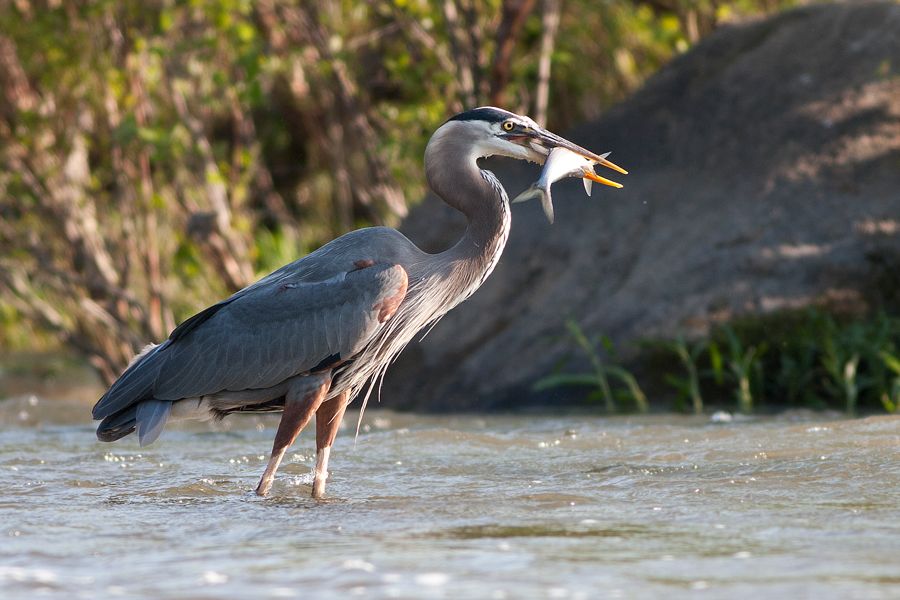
x=765, y=174
x=720, y=417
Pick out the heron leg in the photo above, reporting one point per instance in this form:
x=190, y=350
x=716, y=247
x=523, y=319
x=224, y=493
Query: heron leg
x=328, y=421
x=302, y=400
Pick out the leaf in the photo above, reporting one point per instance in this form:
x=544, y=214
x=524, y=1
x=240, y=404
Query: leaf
x=607, y=344
x=635, y=391
x=681, y=385
x=892, y=362
x=151, y=135
x=715, y=359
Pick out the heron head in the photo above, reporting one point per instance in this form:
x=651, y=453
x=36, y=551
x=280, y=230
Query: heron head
x=498, y=132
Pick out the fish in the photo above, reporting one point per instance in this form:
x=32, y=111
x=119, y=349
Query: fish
x=562, y=163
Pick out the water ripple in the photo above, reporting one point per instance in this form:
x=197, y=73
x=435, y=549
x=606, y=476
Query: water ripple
x=434, y=507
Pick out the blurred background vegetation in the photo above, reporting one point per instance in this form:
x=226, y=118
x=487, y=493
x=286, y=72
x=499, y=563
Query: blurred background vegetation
x=156, y=156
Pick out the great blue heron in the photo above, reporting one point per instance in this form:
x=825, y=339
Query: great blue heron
x=307, y=338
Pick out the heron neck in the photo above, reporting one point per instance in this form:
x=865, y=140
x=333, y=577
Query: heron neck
x=479, y=195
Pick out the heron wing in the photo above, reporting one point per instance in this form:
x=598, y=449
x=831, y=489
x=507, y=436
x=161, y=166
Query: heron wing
x=276, y=329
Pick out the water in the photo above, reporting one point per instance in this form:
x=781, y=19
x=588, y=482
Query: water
x=472, y=507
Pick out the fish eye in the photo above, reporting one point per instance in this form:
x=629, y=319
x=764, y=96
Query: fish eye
x=508, y=125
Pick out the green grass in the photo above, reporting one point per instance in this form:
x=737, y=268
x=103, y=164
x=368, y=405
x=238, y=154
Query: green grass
x=687, y=384
x=613, y=384
x=794, y=359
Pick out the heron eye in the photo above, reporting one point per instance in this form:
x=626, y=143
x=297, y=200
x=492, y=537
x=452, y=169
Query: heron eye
x=508, y=125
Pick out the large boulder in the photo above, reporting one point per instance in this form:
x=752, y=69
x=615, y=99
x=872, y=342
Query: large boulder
x=765, y=174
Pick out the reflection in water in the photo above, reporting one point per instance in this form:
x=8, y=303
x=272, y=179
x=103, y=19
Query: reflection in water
x=462, y=507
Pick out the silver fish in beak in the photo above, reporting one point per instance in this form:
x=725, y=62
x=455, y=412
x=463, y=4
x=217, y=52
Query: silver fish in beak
x=562, y=163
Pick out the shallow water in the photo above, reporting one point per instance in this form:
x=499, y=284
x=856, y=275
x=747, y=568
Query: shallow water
x=466, y=507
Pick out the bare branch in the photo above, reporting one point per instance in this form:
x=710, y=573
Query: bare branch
x=550, y=23
x=227, y=247
x=464, y=68
x=512, y=18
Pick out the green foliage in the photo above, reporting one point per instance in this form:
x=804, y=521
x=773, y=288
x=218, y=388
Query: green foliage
x=890, y=394
x=742, y=365
x=807, y=358
x=817, y=359
x=803, y=358
x=688, y=385
x=628, y=393
x=275, y=248
x=840, y=361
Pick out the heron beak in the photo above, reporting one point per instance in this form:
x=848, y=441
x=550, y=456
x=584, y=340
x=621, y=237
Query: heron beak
x=548, y=140
x=594, y=177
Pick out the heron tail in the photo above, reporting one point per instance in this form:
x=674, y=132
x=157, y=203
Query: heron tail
x=151, y=419
x=148, y=417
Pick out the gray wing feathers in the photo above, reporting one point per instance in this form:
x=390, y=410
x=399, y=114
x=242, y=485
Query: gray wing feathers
x=259, y=337
x=135, y=384
x=327, y=309
x=335, y=316
x=151, y=417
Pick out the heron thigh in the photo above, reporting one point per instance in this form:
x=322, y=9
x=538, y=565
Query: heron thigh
x=304, y=397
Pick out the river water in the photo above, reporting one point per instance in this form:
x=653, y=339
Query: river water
x=533, y=506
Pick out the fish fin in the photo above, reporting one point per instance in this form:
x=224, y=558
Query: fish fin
x=588, y=184
x=547, y=205
x=530, y=194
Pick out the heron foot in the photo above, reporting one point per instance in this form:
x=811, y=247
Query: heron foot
x=263, y=487
x=321, y=473
x=268, y=477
